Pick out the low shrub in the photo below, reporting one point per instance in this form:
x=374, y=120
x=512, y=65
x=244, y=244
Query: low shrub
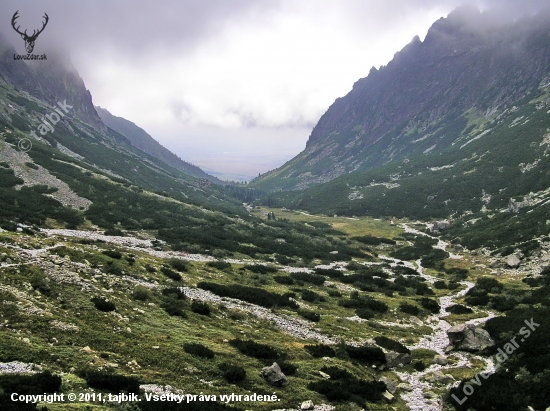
x=220, y=265
x=458, y=273
x=199, y=307
x=171, y=274
x=232, y=373
x=254, y=349
x=252, y=295
x=283, y=259
x=178, y=264
x=112, y=268
x=391, y=345
x=409, y=308
x=334, y=293
x=331, y=272
x=103, y=305
x=404, y=270
x=150, y=268
x=477, y=296
x=308, y=278
x=343, y=386
x=141, y=293
x=41, y=284
x=372, y=240
x=366, y=354
x=287, y=368
x=174, y=406
x=310, y=315
x=489, y=285
x=107, y=380
x=440, y=285
x=113, y=254
x=173, y=293
x=364, y=313
x=430, y=305
x=459, y=309
x=260, y=269
x=453, y=285
x=364, y=302
x=503, y=303
x=477, y=300
x=311, y=296
x=44, y=382
x=174, y=308
x=283, y=279
x=419, y=365
x=320, y=350
x=198, y=350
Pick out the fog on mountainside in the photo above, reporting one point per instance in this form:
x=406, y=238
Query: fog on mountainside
x=400, y=262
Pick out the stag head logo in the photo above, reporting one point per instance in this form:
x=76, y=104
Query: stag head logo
x=29, y=40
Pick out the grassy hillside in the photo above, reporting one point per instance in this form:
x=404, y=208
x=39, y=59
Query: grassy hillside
x=491, y=164
x=144, y=142
x=108, y=318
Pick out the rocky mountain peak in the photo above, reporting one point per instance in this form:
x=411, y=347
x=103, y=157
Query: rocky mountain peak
x=468, y=61
x=52, y=80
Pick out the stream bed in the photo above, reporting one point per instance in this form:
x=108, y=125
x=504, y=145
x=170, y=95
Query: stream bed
x=420, y=396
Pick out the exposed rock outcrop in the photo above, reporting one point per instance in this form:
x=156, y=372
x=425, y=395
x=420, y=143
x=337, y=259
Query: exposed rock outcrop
x=396, y=359
x=440, y=226
x=468, y=337
x=307, y=405
x=390, y=385
x=274, y=375
x=513, y=261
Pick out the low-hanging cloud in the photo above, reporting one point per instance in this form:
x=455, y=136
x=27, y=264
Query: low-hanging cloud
x=245, y=69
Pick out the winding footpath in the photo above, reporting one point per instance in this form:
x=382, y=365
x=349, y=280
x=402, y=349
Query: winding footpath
x=418, y=398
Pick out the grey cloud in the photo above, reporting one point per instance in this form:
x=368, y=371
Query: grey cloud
x=128, y=35
x=131, y=28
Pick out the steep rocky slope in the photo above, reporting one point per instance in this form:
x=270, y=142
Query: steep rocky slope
x=143, y=141
x=469, y=65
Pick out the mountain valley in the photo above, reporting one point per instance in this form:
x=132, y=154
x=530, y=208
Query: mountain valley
x=400, y=262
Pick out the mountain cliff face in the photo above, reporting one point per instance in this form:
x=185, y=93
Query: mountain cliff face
x=143, y=141
x=468, y=65
x=52, y=81
x=71, y=169
x=455, y=128
x=57, y=80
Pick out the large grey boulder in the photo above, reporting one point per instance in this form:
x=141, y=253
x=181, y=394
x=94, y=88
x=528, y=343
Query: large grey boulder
x=307, y=405
x=397, y=359
x=441, y=360
x=324, y=375
x=513, y=261
x=438, y=377
x=468, y=337
x=440, y=226
x=405, y=387
x=390, y=385
x=274, y=375
x=388, y=396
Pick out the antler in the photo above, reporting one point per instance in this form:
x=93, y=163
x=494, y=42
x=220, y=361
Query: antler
x=34, y=35
x=15, y=17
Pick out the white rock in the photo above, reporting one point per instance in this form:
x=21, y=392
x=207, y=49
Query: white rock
x=307, y=405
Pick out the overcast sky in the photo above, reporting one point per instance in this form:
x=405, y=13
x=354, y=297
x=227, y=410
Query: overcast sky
x=233, y=86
